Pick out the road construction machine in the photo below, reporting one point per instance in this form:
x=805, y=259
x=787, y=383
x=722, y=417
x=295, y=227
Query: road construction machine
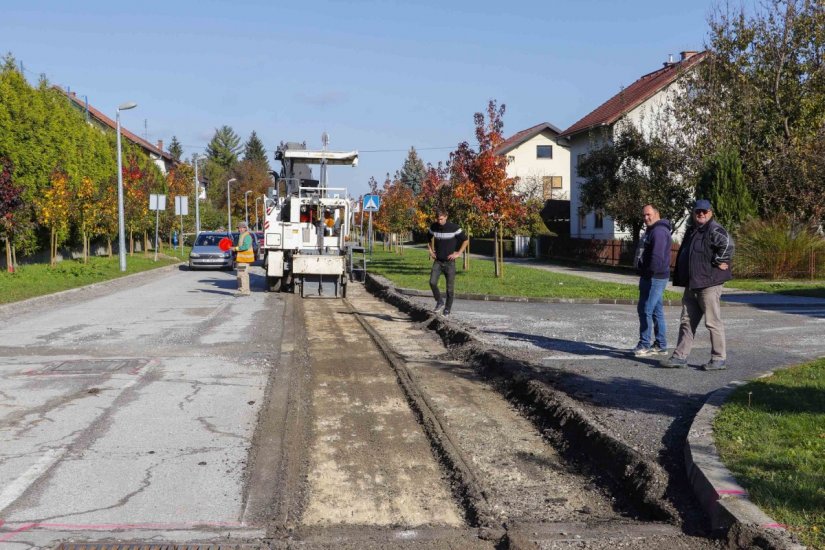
x=307, y=224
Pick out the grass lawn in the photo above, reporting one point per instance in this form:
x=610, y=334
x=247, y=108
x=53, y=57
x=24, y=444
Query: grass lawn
x=814, y=289
x=775, y=446
x=412, y=270
x=40, y=279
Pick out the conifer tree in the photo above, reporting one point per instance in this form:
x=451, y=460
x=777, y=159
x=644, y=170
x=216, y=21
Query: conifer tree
x=224, y=147
x=175, y=149
x=254, y=150
x=722, y=182
x=413, y=172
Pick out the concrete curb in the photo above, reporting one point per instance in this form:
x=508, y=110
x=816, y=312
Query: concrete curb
x=594, y=301
x=642, y=479
x=24, y=306
x=723, y=499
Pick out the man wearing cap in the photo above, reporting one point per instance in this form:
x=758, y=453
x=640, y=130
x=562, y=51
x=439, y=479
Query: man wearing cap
x=702, y=267
x=246, y=255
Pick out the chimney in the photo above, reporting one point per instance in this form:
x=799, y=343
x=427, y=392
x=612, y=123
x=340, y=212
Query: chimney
x=74, y=94
x=669, y=62
x=687, y=55
x=160, y=145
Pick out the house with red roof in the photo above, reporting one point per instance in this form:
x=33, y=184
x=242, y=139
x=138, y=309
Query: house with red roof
x=162, y=159
x=539, y=161
x=638, y=104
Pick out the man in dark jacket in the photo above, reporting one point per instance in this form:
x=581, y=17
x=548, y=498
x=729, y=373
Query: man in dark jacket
x=653, y=264
x=447, y=242
x=702, y=267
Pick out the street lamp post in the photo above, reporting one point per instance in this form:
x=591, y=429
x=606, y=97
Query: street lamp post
x=246, y=207
x=257, y=218
x=195, y=161
x=229, y=205
x=121, y=232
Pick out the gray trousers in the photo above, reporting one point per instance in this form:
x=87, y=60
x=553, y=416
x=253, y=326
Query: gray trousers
x=696, y=304
x=243, y=277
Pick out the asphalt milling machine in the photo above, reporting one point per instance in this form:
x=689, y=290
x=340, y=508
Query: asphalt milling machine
x=307, y=225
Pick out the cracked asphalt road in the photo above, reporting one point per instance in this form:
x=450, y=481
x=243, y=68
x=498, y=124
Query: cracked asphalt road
x=143, y=407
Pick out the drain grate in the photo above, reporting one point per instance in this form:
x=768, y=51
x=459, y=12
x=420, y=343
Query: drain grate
x=156, y=546
x=93, y=366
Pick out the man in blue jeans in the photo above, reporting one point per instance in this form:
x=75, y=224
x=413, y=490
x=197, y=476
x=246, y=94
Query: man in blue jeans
x=653, y=264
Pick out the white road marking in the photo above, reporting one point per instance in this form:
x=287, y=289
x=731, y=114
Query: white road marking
x=16, y=488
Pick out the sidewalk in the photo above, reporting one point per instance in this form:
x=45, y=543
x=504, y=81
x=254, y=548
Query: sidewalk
x=731, y=295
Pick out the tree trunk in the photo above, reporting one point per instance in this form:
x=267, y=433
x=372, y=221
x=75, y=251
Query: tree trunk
x=467, y=254
x=495, y=252
x=501, y=248
x=53, y=248
x=9, y=264
x=109, y=246
x=85, y=247
x=131, y=244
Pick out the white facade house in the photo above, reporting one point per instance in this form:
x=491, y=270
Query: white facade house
x=641, y=104
x=539, y=161
x=162, y=159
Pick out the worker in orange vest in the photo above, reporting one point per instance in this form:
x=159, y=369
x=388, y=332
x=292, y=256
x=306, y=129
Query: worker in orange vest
x=246, y=255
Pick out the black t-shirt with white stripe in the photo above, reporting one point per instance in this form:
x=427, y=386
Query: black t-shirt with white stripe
x=447, y=238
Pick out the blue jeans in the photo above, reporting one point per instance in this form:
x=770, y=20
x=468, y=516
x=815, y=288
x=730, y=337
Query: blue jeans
x=652, y=312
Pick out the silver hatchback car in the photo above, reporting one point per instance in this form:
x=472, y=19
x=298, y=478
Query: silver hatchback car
x=206, y=254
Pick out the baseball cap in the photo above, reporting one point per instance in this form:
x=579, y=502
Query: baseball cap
x=702, y=204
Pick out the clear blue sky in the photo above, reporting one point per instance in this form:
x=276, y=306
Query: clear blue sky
x=378, y=76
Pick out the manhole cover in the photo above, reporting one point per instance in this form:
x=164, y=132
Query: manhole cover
x=155, y=546
x=94, y=366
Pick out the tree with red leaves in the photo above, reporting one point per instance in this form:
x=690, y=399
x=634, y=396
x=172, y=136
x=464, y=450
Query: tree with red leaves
x=10, y=204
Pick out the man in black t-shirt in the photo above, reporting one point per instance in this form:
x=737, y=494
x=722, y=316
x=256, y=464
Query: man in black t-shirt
x=447, y=242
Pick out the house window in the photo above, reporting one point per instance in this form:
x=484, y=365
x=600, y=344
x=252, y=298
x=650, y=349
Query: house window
x=544, y=151
x=549, y=183
x=511, y=159
x=582, y=220
x=579, y=160
x=599, y=223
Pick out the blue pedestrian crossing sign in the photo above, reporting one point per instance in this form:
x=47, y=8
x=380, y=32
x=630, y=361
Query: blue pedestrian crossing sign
x=372, y=203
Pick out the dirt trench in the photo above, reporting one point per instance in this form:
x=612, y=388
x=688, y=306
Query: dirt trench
x=391, y=443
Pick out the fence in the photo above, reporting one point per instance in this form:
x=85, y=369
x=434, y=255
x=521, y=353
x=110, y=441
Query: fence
x=806, y=264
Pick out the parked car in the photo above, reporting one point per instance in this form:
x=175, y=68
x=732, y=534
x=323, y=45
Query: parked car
x=206, y=254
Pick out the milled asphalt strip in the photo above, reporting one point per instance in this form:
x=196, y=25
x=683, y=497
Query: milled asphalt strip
x=639, y=477
x=723, y=499
x=472, y=490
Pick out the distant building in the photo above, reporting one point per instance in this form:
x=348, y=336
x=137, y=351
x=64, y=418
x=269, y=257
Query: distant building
x=539, y=161
x=638, y=104
x=161, y=158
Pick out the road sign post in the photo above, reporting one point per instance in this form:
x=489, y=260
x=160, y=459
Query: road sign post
x=371, y=204
x=157, y=203
x=182, y=209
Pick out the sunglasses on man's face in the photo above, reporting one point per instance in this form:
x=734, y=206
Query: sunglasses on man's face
x=703, y=212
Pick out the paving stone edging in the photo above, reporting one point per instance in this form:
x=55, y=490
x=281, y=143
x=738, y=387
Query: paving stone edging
x=720, y=495
x=643, y=479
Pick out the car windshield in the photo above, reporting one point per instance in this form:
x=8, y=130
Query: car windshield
x=209, y=240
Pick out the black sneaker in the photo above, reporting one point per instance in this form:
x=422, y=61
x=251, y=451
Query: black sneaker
x=715, y=364
x=439, y=305
x=673, y=362
x=446, y=313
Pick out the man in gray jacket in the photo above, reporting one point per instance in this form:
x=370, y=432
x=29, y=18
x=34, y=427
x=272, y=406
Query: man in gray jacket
x=702, y=267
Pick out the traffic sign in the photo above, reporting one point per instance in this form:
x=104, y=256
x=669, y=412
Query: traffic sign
x=372, y=203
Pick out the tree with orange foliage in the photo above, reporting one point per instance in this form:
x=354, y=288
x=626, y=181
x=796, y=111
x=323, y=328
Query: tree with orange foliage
x=484, y=198
x=135, y=198
x=397, y=207
x=84, y=213
x=434, y=194
x=53, y=208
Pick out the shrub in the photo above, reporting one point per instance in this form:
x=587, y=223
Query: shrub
x=779, y=248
